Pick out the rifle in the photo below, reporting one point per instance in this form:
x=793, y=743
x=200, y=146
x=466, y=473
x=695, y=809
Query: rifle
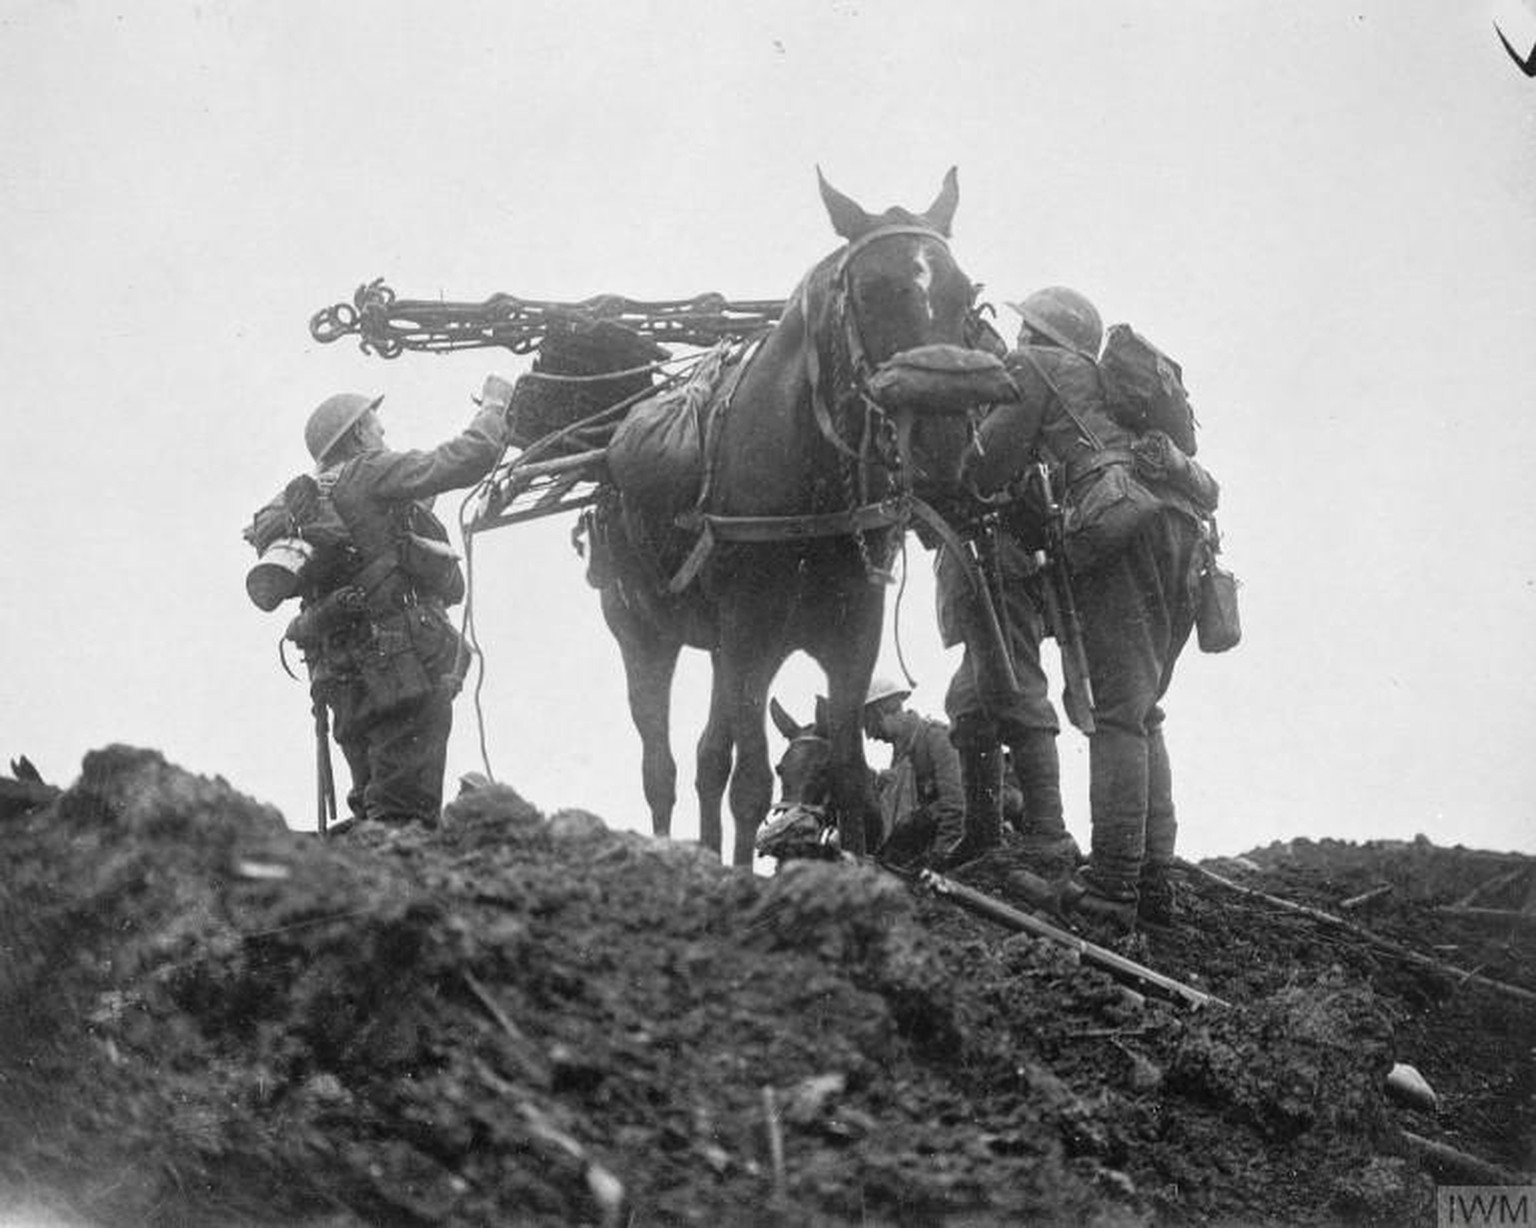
x=1061, y=609
x=325, y=780
x=1042, y=895
x=988, y=641
x=1105, y=960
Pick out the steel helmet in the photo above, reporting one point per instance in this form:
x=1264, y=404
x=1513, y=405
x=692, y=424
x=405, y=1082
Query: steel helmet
x=333, y=418
x=885, y=688
x=1066, y=317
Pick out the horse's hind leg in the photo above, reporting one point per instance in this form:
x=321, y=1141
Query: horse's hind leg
x=650, y=662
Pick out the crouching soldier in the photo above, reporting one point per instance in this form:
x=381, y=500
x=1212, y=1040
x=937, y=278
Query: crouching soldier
x=375, y=574
x=922, y=804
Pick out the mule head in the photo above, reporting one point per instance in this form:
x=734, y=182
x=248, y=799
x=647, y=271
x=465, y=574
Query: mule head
x=803, y=771
x=798, y=824
x=902, y=286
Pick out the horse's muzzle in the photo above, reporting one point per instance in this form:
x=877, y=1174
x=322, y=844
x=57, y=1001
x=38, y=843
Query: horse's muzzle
x=941, y=379
x=794, y=829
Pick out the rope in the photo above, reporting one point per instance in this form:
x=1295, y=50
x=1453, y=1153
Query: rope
x=901, y=592
x=471, y=635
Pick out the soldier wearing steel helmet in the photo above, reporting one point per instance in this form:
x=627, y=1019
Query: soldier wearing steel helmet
x=374, y=587
x=1135, y=600
x=921, y=801
x=986, y=712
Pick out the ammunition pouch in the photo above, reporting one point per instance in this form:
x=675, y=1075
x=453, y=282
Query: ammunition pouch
x=338, y=611
x=391, y=670
x=1105, y=507
x=1160, y=461
x=428, y=560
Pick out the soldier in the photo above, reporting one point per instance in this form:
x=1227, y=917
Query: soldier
x=1133, y=542
x=986, y=713
x=375, y=587
x=921, y=800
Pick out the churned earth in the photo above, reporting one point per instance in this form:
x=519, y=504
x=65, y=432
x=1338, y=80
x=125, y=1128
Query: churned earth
x=207, y=1019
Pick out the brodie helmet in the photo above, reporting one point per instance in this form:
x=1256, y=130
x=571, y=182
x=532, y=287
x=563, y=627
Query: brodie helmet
x=333, y=418
x=885, y=688
x=1066, y=317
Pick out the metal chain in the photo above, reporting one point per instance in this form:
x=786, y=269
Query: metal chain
x=388, y=326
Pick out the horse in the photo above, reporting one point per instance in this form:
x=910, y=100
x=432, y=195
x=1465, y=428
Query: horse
x=805, y=492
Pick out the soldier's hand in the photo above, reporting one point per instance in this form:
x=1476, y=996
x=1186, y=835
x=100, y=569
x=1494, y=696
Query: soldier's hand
x=496, y=393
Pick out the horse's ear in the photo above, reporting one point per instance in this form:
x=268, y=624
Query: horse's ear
x=941, y=213
x=848, y=216
x=783, y=721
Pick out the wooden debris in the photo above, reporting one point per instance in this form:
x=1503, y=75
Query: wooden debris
x=249, y=868
x=1365, y=897
x=775, y=1139
x=1376, y=940
x=1450, y=1161
x=523, y=1049
x=1492, y=916
x=1491, y=885
x=607, y=1190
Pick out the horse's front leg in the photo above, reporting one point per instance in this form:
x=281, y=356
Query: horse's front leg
x=713, y=764
x=849, y=663
x=752, y=780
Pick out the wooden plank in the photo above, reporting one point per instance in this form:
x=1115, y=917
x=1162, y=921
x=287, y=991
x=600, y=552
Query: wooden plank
x=533, y=513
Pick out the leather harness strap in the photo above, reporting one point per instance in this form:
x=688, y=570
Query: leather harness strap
x=885, y=513
x=858, y=359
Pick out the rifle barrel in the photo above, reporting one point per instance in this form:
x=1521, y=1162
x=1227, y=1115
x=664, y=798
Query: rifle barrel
x=1106, y=960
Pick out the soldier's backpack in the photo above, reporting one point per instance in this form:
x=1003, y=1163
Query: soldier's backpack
x=1144, y=388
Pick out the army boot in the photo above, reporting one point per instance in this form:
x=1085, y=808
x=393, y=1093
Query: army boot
x=981, y=774
x=1157, y=898
x=1156, y=885
x=1103, y=906
x=1047, y=844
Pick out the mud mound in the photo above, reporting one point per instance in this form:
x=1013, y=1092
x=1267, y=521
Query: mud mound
x=208, y=1019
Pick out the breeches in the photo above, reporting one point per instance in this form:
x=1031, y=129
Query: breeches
x=397, y=764
x=1137, y=611
x=981, y=707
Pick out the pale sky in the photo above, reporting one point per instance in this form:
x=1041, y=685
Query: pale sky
x=1326, y=212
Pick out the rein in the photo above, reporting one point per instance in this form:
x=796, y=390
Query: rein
x=859, y=518
x=846, y=319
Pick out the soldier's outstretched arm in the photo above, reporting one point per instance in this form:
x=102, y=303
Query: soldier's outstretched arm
x=461, y=461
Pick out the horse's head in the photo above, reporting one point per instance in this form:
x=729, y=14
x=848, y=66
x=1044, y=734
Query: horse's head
x=896, y=283
x=893, y=315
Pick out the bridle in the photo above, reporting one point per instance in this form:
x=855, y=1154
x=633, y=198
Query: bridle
x=798, y=828
x=846, y=322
